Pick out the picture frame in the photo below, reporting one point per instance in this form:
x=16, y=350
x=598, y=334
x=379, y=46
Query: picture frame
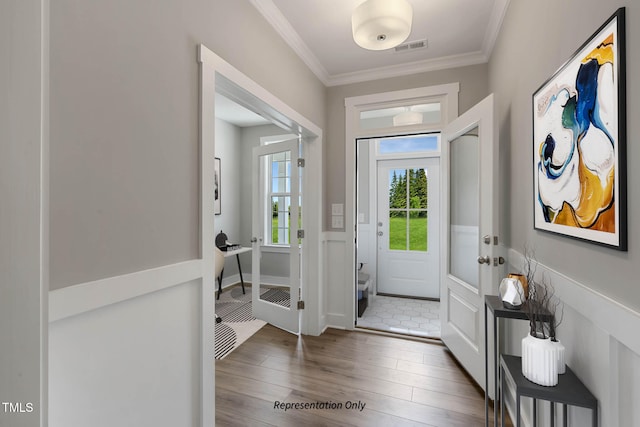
x=217, y=187
x=579, y=142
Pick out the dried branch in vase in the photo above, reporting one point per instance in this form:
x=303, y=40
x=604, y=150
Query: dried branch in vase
x=542, y=305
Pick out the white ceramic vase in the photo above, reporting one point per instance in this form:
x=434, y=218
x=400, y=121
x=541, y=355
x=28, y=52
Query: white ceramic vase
x=559, y=348
x=539, y=360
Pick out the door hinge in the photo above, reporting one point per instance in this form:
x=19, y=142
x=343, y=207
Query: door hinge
x=300, y=305
x=300, y=234
x=301, y=163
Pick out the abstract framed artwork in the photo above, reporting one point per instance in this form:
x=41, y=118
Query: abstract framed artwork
x=217, y=189
x=579, y=142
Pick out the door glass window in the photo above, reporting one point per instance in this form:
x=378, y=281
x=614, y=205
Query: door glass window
x=280, y=197
x=277, y=195
x=464, y=208
x=408, y=209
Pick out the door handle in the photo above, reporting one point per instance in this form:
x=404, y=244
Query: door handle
x=484, y=260
x=379, y=233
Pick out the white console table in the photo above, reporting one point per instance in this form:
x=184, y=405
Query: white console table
x=228, y=254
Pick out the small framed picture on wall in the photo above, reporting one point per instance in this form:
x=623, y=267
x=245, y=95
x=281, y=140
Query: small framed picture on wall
x=217, y=205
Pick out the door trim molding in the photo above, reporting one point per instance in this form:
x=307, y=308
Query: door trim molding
x=448, y=94
x=218, y=75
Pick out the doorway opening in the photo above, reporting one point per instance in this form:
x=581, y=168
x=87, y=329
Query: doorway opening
x=398, y=234
x=257, y=193
x=243, y=210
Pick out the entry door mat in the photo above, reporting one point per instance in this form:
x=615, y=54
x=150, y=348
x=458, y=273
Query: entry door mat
x=238, y=323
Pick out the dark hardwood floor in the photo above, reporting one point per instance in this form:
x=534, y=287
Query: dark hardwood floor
x=401, y=382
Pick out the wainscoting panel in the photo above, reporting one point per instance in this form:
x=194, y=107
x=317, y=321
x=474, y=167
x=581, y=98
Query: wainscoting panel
x=340, y=291
x=131, y=356
x=602, y=347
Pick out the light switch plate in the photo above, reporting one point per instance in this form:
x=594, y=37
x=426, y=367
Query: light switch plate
x=337, y=209
x=337, y=221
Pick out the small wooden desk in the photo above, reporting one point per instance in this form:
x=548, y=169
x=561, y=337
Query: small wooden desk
x=228, y=254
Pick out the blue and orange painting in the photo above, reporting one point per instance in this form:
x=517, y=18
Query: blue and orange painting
x=575, y=138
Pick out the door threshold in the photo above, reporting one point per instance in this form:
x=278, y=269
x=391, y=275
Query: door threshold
x=427, y=339
x=408, y=297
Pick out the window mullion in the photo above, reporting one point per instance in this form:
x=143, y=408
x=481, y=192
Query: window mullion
x=280, y=228
x=408, y=207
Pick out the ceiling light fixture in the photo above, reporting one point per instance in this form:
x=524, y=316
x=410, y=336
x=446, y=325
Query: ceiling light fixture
x=381, y=24
x=407, y=118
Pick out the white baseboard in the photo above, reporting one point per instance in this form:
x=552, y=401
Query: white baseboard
x=335, y=321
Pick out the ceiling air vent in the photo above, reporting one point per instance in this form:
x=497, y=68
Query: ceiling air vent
x=411, y=46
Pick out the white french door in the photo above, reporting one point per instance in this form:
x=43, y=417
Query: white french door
x=277, y=216
x=408, y=259
x=469, y=233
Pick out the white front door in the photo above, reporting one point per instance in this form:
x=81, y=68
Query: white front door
x=276, y=217
x=469, y=233
x=408, y=227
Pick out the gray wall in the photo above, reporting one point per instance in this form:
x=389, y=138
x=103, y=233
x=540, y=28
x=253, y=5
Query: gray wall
x=228, y=149
x=124, y=124
x=473, y=88
x=22, y=340
x=523, y=58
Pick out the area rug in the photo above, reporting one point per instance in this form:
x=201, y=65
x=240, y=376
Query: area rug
x=238, y=323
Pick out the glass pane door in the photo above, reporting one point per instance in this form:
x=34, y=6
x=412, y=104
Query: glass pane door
x=276, y=219
x=408, y=256
x=464, y=208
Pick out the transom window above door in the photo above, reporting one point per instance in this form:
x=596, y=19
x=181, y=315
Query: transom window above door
x=413, y=144
x=423, y=114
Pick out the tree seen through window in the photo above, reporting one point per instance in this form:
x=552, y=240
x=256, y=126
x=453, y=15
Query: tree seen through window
x=408, y=214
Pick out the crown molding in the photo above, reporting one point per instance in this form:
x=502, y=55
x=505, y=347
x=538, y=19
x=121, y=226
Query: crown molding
x=409, y=68
x=282, y=26
x=495, y=23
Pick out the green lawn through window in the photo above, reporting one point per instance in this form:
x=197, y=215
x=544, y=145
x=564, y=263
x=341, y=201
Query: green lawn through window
x=397, y=233
x=417, y=234
x=274, y=230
